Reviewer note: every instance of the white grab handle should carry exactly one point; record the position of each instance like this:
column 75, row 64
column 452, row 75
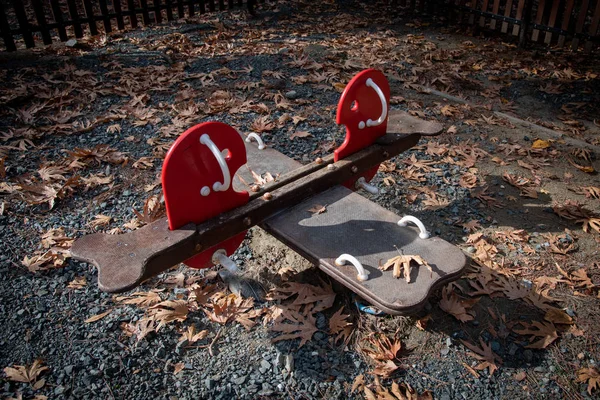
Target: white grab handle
column 384, row 108
column 217, row 186
column 220, row 257
column 261, row 144
column 361, row 183
column 409, row 218
column 362, row 274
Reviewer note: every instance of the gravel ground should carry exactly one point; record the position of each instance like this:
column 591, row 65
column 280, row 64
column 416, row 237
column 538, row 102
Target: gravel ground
column 156, row 82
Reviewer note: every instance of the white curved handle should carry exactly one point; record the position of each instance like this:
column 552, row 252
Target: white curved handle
column 409, row 218
column 217, row 186
column 384, row 109
column 220, row 257
column 261, row 144
column 361, row 183
column 362, row 274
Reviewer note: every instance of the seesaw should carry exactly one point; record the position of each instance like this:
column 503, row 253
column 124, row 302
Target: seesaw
column 208, row 212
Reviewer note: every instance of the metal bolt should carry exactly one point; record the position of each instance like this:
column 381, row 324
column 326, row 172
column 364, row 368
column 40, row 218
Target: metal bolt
column 198, row 247
column 354, row 169
column 267, row 196
column 331, row 167
column 255, row 188
column 247, row 221
column 319, row 160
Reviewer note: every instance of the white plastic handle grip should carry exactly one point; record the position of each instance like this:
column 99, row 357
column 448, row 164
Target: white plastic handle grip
column 384, row 108
column 362, row 274
column 261, row 144
column 409, row 218
column 217, row 186
column 220, row 257
column 361, row 183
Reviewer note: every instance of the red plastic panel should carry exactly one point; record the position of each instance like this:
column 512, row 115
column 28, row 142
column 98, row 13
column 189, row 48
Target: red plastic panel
column 359, row 104
column 191, row 166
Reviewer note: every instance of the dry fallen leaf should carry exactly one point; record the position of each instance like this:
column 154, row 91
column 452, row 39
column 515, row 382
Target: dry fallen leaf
column 490, row 359
column 540, row 144
column 545, row 330
column 300, row 134
column 401, row 264
column 97, row 317
column 317, row 209
column 178, row 368
column 591, row 376
column 21, row 373
column 458, row 308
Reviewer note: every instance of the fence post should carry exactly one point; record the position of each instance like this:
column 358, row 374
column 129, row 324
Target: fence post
column 527, row 6
column 5, row 29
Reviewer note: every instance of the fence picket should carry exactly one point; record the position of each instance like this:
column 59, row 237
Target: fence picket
column 594, row 26
column 76, row 21
column 520, row 7
column 565, row 22
column 552, row 21
column 119, row 12
column 9, row 42
column 580, row 21
column 507, row 13
column 132, row 13
column 24, row 26
column 145, row 12
column 89, row 14
column 493, row 22
column 538, row 19
column 105, row 17
column 38, row 9
column 484, row 8
column 157, row 11
column 169, row 5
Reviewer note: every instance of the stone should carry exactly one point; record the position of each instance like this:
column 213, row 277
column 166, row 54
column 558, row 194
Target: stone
column 265, row 364
column 292, row 94
column 71, row 43
column 528, row 355
column 239, row 381
column 445, row 351
column 209, row 383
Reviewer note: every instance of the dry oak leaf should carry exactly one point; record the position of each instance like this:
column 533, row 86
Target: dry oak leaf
column 178, row 368
column 77, row 283
column 545, row 330
column 405, row 392
column 192, row 336
column 302, row 327
column 300, row 134
column 541, row 144
column 490, row 359
column 457, row 307
column 168, row 311
column 321, row 296
column 97, row 317
column 401, row 264
column 338, row 325
column 318, row 209
column 21, row 373
column 141, row 299
column 558, row 316
column 591, row 376
column 100, row 220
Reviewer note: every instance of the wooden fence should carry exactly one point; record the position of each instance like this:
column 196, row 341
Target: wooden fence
column 28, row 20
column 558, row 23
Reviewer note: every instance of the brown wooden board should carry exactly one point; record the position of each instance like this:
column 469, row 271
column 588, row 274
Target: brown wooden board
column 538, row 19
column 484, row 8
column 169, row 5
column 89, row 13
column 191, row 10
column 519, row 15
column 132, row 13
column 24, row 27
column 75, row 20
column 9, row 41
column 38, row 9
column 580, row 22
column 507, row 13
column 145, row 12
column 157, row 11
column 495, row 9
column 594, row 26
column 180, row 10
column 552, row 20
column 105, row 16
column 119, row 12
column 565, row 22
column 356, row 226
